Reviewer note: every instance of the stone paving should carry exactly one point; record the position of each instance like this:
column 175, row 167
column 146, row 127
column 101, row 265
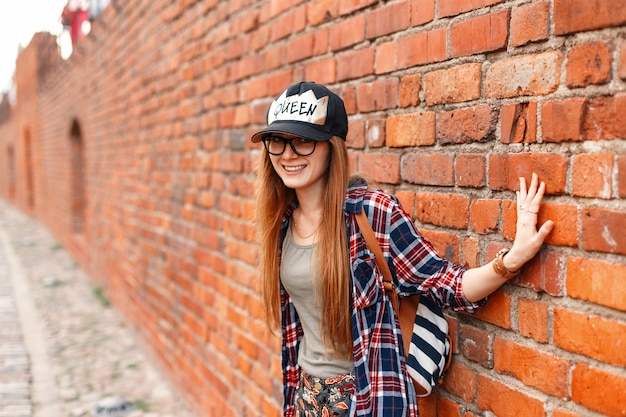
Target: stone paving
column 63, row 348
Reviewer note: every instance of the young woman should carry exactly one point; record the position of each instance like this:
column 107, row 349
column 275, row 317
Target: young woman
column 340, row 353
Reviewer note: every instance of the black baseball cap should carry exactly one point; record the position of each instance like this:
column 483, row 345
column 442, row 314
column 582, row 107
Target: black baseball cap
column 306, row 110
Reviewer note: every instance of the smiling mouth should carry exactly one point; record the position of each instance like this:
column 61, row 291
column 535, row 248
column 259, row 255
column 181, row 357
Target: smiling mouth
column 297, row 168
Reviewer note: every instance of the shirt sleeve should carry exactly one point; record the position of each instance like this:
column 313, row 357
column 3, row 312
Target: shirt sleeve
column 292, row 334
column 418, row 267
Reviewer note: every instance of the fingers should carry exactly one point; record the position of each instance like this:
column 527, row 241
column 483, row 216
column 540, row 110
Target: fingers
column 535, row 203
column 521, row 194
column 529, row 199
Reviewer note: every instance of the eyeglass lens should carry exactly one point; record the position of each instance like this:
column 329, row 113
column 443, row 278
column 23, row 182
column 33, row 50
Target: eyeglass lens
column 300, row 146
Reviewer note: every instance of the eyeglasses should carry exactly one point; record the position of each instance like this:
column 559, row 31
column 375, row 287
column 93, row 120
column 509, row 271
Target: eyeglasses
column 300, row 146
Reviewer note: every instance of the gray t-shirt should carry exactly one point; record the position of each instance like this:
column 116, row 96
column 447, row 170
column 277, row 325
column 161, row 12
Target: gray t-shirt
column 299, row 278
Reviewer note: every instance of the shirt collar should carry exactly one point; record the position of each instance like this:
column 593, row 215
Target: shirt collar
column 354, row 196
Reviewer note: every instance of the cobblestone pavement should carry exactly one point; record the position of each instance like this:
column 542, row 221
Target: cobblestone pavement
column 63, row 349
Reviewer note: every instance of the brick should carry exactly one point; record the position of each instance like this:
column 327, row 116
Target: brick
column 470, row 170
column 319, row 11
column 532, row 317
column 621, row 176
column 407, row 201
column 484, row 33
column 446, row 244
column 355, row 64
column 422, row 48
column 588, row 64
column 417, row 129
column 484, row 215
column 461, row 382
column 605, row 118
column 599, row 390
column 544, row 371
column 291, row 22
column 562, row 120
column 505, row 170
column 356, row 135
column 563, row 413
column 597, row 281
column 497, row 310
column 428, row 169
column 579, row 332
column 470, row 252
column 381, row 94
column 348, row 95
column 391, row 18
column 276, row 56
column 427, row 406
column 454, row 85
column 476, row 345
column 375, row 133
column 581, row 15
column 454, row 7
column 446, row 407
column 505, row 401
column 347, row 7
column 602, row 230
column 422, row 11
column 442, row 209
column 347, row 33
column 530, row 23
column 383, row 168
column 553, row 272
column 473, row 124
column 518, row 123
column 385, row 59
column 592, row 175
column 300, row 48
column 527, row 75
column 410, row 90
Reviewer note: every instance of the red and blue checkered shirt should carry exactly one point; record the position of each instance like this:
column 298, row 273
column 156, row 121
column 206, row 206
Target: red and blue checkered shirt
column 383, row 387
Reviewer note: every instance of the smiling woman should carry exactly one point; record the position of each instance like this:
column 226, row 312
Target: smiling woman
column 342, row 349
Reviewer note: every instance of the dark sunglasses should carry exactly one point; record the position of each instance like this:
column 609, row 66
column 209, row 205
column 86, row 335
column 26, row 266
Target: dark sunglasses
column 300, row 146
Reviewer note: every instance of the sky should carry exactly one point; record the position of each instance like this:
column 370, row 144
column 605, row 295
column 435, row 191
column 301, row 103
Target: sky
column 19, row 21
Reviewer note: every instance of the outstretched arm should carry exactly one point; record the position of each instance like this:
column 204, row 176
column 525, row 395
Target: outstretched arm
column 482, row 281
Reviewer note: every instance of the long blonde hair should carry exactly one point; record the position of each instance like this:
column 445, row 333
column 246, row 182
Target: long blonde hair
column 273, row 199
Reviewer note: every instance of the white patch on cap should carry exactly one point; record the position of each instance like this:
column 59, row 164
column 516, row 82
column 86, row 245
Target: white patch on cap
column 304, row 107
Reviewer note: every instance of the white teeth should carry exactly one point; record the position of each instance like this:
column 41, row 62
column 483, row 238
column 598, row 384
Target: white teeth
column 294, row 169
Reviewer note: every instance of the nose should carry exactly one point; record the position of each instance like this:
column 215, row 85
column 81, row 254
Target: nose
column 288, row 152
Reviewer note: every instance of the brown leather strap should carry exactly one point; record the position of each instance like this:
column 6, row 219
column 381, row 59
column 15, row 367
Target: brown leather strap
column 406, row 310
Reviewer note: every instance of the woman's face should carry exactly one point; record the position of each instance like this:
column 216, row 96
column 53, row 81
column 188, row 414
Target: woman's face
column 302, row 172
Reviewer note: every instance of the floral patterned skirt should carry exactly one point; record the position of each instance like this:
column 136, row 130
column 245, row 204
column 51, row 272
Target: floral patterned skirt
column 323, row 397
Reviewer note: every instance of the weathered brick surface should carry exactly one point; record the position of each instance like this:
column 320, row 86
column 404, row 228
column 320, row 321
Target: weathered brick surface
column 135, row 153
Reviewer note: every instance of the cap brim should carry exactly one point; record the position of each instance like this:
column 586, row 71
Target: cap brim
column 303, row 130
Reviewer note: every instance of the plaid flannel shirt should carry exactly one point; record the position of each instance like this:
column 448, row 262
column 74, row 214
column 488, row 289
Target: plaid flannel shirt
column 383, row 387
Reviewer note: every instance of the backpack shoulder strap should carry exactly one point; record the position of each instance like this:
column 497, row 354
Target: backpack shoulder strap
column 406, row 310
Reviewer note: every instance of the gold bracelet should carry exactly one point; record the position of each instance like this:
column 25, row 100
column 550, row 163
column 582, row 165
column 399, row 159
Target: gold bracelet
column 498, row 265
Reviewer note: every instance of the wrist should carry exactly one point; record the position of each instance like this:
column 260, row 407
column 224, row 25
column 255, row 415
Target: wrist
column 505, row 269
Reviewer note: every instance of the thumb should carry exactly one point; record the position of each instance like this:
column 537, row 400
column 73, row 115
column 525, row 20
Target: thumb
column 545, row 229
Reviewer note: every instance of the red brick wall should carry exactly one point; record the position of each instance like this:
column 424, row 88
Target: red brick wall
column 449, row 103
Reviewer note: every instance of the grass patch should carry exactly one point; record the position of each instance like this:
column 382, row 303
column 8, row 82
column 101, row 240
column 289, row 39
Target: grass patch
column 142, row 405
column 100, row 296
